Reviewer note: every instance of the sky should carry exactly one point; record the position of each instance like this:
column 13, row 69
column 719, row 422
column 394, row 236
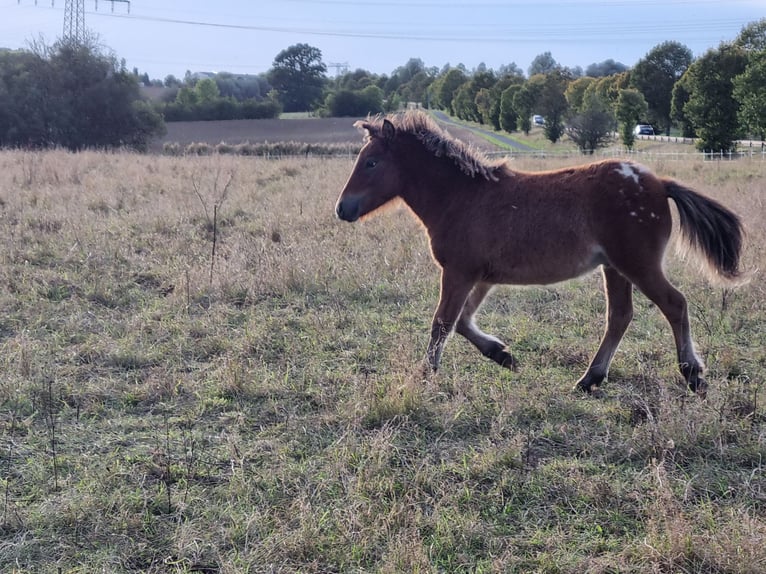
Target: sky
column 163, row 37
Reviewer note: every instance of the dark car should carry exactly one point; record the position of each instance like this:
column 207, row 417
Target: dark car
column 644, row 130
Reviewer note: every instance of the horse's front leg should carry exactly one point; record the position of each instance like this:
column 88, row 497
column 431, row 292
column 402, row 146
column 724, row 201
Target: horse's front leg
column 454, row 292
column 619, row 313
column 489, row 346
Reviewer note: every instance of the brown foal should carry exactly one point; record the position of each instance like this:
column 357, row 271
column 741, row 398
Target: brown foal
column 488, row 224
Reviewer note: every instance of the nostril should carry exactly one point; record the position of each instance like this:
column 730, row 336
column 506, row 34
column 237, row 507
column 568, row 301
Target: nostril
column 347, row 210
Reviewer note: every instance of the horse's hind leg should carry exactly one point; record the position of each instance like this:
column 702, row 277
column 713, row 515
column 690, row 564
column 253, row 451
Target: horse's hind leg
column 489, row 346
column 673, row 305
column 619, row 312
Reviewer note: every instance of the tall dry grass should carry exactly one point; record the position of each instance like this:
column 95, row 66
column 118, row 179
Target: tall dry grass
column 261, row 409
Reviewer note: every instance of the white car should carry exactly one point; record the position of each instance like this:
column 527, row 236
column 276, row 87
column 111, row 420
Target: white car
column 538, row 120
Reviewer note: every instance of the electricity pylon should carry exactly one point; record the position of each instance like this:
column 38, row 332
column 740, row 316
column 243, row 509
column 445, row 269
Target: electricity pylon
column 74, row 19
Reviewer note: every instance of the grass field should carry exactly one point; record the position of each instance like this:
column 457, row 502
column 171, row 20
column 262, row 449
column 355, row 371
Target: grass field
column 202, row 370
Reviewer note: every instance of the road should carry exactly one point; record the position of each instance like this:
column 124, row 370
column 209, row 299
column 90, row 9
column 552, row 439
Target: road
column 445, row 119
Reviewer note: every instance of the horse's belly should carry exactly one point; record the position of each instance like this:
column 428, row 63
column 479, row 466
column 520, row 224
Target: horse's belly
column 547, row 267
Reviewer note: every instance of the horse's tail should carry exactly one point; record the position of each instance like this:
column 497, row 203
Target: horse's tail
column 711, row 229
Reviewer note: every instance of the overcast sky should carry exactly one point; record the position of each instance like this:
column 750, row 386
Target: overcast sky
column 164, row 37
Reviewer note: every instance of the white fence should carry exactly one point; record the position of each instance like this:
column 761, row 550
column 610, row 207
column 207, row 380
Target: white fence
column 757, row 154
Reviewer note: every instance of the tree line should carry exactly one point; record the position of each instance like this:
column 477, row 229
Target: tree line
column 717, row 98
column 76, row 96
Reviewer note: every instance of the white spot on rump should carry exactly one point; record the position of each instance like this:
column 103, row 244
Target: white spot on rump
column 628, row 171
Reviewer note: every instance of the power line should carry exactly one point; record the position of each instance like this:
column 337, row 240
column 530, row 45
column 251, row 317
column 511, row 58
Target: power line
column 615, row 30
column 595, row 32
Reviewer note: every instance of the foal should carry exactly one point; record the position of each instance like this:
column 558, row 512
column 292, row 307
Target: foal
column 490, row 225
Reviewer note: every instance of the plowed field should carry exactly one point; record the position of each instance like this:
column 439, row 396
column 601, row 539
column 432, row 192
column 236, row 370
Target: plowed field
column 310, row 130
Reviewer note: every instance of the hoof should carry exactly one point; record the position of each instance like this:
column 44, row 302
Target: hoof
column 699, row 387
column 587, row 389
column 427, row 370
column 590, row 385
column 504, row 359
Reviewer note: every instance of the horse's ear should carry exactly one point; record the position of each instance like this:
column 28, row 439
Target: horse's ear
column 389, row 131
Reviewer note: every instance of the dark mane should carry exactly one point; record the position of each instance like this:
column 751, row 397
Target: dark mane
column 468, row 159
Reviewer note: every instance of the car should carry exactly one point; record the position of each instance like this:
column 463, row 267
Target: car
column 644, row 130
column 538, row 120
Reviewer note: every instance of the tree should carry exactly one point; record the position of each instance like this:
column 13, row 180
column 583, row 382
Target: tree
column 511, row 70
column 416, row 89
column 678, row 101
column 483, row 101
column 298, row 75
column 355, row 103
column 412, row 68
column 575, row 93
column 172, row 82
column 552, row 103
column 711, row 107
column 464, row 102
column 606, row 68
column 495, row 98
column 752, row 38
column 749, row 92
column 356, row 80
column 608, row 88
column 89, row 100
column 207, row 91
column 446, row 88
column 655, row 75
column 239, row 87
column 542, row 64
column 27, row 115
column 186, row 96
column 748, row 87
column 524, row 104
column 592, row 128
column 509, row 117
column 631, row 108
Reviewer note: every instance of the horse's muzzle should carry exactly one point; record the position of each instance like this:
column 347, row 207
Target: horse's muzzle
column 347, row 209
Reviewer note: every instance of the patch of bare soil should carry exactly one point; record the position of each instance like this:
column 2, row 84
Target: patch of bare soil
column 314, row 130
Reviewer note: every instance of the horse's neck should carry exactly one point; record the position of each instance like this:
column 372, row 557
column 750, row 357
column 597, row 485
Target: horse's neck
column 429, row 184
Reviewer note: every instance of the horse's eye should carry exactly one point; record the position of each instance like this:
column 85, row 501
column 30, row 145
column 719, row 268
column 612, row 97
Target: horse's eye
column 370, row 163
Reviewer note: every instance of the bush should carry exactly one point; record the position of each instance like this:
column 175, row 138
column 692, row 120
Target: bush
column 275, row 149
column 592, row 128
column 355, row 103
column 73, row 96
column 220, row 109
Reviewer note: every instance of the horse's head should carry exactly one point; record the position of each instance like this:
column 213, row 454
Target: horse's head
column 375, row 179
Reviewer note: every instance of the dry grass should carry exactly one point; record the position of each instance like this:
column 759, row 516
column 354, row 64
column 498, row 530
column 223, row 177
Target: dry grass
column 264, row 410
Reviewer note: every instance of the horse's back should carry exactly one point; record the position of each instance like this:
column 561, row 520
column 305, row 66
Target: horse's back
column 539, row 228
